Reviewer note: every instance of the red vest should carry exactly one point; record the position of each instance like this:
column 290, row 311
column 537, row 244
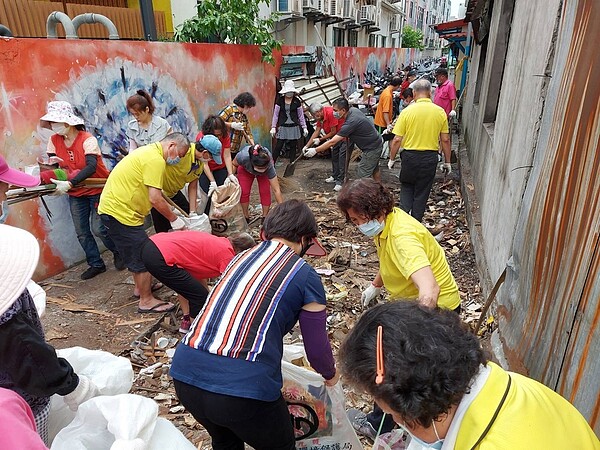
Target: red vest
column 74, row 160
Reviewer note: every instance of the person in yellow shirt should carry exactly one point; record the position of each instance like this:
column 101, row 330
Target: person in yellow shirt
column 437, row 384
column 134, row 187
column 419, row 130
column 187, row 171
column 412, row 265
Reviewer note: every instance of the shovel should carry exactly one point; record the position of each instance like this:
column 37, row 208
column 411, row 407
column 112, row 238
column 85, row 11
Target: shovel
column 291, row 167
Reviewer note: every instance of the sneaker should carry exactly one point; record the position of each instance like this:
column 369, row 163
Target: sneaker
column 359, row 422
column 185, row 325
column 330, row 180
column 118, row 261
column 337, row 187
column 91, row 272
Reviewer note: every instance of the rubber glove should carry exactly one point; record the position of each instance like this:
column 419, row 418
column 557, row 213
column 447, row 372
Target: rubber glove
column 316, row 142
column 391, row 163
column 390, row 127
column 238, row 126
column 232, row 179
column 369, row 294
column 62, row 187
column 305, row 131
column 452, row 114
column 85, row 390
column 447, row 168
column 273, row 132
column 192, row 215
column 178, row 224
column 211, row 188
column 309, row 152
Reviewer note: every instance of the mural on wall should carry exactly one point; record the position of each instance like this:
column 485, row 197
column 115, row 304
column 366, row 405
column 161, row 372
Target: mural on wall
column 187, row 81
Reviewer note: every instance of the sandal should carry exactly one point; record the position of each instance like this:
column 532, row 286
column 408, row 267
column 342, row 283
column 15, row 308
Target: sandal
column 155, row 310
column 155, row 287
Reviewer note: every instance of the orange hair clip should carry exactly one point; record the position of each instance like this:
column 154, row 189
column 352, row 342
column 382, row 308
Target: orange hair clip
column 380, row 369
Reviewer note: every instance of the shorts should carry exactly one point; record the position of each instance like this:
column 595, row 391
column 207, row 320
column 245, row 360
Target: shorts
column 368, row 164
column 128, row 240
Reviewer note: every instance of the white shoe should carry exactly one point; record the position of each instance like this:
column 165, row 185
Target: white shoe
column 337, row 187
column 330, row 180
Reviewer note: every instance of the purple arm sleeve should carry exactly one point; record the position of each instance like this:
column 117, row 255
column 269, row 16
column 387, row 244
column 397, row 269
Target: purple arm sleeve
column 301, row 118
column 316, row 342
column 275, row 117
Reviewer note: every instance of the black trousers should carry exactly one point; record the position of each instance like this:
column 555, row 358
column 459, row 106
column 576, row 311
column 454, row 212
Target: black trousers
column 220, row 177
column 174, row 277
column 161, row 223
column 286, row 148
column 233, row 421
column 416, row 179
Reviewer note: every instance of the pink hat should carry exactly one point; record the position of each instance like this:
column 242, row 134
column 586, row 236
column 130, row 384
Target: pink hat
column 16, row 177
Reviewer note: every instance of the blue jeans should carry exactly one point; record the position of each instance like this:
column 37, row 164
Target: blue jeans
column 84, row 211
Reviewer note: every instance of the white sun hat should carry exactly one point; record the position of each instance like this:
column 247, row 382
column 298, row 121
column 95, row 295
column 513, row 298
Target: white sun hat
column 289, row 86
column 19, row 255
column 60, row 112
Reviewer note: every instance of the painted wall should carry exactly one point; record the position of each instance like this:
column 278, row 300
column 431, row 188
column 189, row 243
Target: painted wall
column 190, row 81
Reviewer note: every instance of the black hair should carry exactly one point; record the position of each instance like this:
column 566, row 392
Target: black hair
column 291, row 220
column 408, row 92
column 341, row 103
column 396, row 81
column 430, row 358
column 213, row 123
column 441, row 71
column 259, row 156
column 245, row 100
column 140, row 101
column 367, row 197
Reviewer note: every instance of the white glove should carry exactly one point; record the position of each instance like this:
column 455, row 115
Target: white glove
column 273, row 132
column 452, row 114
column 316, row 141
column 390, row 127
column 305, row 131
column 447, row 168
column 62, row 187
column 178, row 224
column 391, row 163
column 386, row 131
column 192, row 215
column 309, row 152
column 211, row 188
column 232, row 179
column 369, row 294
column 238, row 126
column 85, row 390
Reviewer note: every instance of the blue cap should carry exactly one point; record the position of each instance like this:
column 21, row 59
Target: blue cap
column 213, row 145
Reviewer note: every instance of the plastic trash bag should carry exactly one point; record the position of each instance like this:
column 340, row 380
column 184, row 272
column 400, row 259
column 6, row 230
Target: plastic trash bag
column 199, row 223
column 112, row 374
column 120, row 422
column 226, row 215
column 317, row 411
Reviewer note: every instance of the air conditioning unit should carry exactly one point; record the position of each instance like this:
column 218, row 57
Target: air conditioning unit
column 289, row 6
column 368, row 13
column 310, row 4
column 396, row 23
column 348, row 9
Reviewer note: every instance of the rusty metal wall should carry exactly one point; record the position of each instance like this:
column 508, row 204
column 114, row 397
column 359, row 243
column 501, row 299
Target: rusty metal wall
column 27, row 18
column 549, row 311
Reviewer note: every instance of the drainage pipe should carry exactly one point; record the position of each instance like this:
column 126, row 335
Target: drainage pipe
column 54, row 19
column 5, row 31
column 96, row 18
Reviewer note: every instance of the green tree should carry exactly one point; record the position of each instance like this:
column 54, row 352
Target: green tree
column 232, row 22
column 412, row 38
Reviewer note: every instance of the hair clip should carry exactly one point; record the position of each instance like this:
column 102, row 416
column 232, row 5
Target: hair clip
column 380, row 369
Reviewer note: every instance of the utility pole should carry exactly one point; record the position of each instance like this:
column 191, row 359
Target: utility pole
column 148, row 20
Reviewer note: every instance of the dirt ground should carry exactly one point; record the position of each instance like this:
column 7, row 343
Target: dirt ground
column 102, row 313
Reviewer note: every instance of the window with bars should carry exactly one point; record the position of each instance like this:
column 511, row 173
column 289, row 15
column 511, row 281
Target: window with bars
column 352, row 38
column 338, row 37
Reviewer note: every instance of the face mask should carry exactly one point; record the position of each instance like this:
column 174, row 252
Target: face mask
column 336, row 114
column 4, row 214
column 437, row 445
column 173, row 161
column 371, row 228
column 59, row 128
column 305, row 248
column 289, row 94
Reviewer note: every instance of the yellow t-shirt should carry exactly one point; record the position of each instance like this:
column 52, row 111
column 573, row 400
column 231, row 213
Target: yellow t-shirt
column 185, row 171
column 125, row 195
column 421, row 125
column 405, row 246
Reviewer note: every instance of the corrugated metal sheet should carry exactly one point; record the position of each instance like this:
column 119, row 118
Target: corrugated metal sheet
column 113, row 3
column 550, row 316
column 28, row 19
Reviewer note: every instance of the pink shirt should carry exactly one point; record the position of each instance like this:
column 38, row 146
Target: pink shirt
column 444, row 94
column 201, row 254
column 17, row 425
